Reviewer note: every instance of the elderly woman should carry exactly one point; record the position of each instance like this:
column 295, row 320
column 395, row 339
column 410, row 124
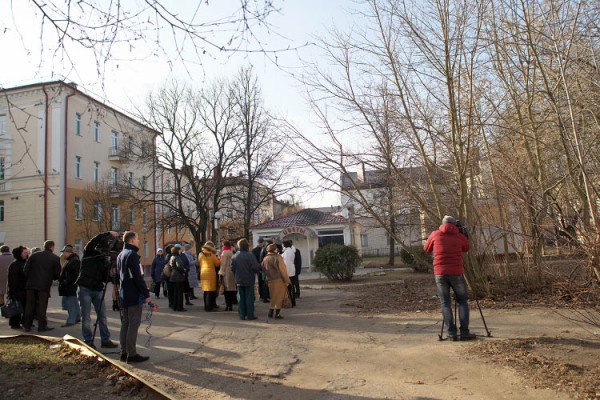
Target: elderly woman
column 226, row 275
column 209, row 263
column 277, row 278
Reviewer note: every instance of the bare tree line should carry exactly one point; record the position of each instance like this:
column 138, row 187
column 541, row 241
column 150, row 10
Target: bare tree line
column 486, row 110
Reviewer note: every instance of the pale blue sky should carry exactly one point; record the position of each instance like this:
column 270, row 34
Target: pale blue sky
column 126, row 82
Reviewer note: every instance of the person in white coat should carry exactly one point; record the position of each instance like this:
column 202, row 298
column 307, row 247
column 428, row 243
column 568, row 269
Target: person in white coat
column 289, row 253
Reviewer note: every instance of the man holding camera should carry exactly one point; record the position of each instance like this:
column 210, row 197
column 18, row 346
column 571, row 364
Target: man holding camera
column 448, row 243
column 92, row 280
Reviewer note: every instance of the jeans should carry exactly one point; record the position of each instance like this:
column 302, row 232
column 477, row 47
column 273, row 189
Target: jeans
column 457, row 283
column 73, row 310
column 130, row 322
column 87, row 297
column 246, row 301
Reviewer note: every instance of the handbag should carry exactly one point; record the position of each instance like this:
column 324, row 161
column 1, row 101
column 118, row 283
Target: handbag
column 287, row 302
column 167, row 270
column 11, row 309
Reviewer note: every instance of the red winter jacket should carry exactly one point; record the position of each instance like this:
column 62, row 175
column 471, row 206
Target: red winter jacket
column 447, row 244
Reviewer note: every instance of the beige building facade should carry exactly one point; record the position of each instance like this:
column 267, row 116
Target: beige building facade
column 66, row 171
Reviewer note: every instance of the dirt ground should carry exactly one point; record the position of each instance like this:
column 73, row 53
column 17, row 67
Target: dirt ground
column 368, row 341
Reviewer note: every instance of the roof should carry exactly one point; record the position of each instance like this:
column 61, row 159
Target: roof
column 306, row 217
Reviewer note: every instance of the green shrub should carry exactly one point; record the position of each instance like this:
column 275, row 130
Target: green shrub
column 337, row 262
column 416, row 257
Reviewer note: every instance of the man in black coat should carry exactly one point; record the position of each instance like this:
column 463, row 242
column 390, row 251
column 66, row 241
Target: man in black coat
column 40, row 269
column 67, row 286
column 93, row 277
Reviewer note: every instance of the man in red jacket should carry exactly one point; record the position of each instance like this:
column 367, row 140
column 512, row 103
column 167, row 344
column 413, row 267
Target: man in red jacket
column 448, row 244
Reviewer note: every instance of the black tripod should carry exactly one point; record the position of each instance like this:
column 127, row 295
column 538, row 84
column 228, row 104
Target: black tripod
column 489, row 334
column 102, row 302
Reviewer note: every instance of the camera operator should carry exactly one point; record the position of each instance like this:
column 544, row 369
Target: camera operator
column 448, row 244
column 93, row 278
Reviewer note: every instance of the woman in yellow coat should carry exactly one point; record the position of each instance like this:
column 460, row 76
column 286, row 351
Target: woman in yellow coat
column 209, row 264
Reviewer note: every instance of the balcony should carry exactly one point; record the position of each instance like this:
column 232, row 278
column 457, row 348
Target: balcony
column 118, row 154
column 119, row 191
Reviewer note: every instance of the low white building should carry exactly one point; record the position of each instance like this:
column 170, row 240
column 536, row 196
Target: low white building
column 309, row 230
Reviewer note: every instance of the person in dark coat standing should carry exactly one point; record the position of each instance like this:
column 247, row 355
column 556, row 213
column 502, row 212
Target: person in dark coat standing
column 133, row 294
column 16, row 282
column 67, row 286
column 178, row 277
column 263, row 289
column 40, row 269
column 94, row 275
column 6, row 259
column 156, row 271
column 448, row 244
column 298, row 267
column 245, row 267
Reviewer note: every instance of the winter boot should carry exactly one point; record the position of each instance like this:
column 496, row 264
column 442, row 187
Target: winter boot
column 270, row 313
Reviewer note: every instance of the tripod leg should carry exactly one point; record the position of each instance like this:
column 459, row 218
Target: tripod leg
column 441, row 335
column 489, row 334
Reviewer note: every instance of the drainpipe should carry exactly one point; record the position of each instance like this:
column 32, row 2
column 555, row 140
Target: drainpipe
column 45, row 164
column 66, row 161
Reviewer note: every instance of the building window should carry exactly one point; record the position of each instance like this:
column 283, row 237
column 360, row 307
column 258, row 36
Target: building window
column 131, row 215
column 332, row 236
column 96, row 171
column 364, row 240
column 114, row 176
column 77, row 167
column 144, row 182
column 130, row 179
column 78, row 246
column 145, row 216
column 130, row 144
column 97, row 211
column 96, row 131
column 78, row 209
column 78, row 124
column 145, row 248
column 168, row 185
column 115, row 217
column 2, row 168
column 114, row 141
column 1, row 210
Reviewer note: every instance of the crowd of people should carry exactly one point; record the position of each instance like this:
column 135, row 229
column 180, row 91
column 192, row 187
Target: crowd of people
column 233, row 271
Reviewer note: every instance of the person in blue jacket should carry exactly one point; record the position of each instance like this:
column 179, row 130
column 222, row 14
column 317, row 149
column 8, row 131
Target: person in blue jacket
column 133, row 293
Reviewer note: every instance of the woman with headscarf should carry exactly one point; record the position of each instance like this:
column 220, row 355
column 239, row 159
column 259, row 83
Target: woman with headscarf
column 16, row 282
column 226, row 275
column 209, row 263
column 277, row 278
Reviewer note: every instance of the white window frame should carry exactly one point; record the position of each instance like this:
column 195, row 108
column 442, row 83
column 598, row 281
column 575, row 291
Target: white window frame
column 78, row 167
column 114, row 176
column 145, row 216
column 115, row 217
column 2, row 168
column 131, row 215
column 2, row 210
column 97, row 216
column 78, row 124
column 145, row 248
column 130, row 179
column 78, row 209
column 96, row 172
column 96, row 129
column 114, row 141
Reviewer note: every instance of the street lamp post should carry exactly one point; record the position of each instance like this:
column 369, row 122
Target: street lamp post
column 218, row 216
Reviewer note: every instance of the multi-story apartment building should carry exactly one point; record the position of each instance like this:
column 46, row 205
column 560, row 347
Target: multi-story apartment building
column 65, row 170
